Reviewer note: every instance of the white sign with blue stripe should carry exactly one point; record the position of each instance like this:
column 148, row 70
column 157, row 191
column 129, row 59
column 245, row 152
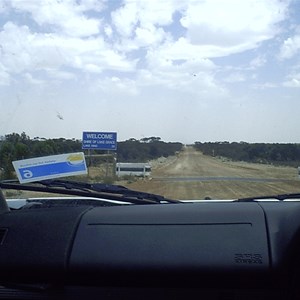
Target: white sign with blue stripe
column 49, row 167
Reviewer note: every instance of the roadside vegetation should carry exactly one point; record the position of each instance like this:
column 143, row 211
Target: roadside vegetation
column 20, row 146
column 146, row 149
column 277, row 154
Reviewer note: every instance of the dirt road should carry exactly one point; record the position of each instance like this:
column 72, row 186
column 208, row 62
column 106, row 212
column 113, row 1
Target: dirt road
column 192, row 175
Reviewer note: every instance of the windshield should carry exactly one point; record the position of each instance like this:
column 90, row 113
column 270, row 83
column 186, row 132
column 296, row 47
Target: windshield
column 186, row 99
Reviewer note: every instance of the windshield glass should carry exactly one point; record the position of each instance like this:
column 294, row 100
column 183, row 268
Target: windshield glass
column 185, row 99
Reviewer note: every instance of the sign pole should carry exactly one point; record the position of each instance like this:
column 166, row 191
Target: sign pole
column 106, row 171
column 89, row 160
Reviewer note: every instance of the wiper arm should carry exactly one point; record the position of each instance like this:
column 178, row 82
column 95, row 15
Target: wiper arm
column 97, row 190
column 107, row 188
column 280, row 197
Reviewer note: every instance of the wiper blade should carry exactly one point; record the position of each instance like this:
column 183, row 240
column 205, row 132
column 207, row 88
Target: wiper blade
column 280, row 197
column 98, row 190
column 106, row 188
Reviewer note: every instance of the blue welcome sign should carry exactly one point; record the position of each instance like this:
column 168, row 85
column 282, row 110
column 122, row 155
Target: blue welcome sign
column 99, row 140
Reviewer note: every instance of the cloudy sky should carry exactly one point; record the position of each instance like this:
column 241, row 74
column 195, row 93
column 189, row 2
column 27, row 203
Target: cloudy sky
column 198, row 70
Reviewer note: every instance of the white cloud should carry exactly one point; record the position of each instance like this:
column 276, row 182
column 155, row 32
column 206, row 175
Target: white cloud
column 290, row 47
column 66, row 16
column 258, row 62
column 235, row 77
column 142, row 23
column 60, row 75
column 183, row 49
column 116, row 86
column 3, row 6
column 185, row 65
column 292, row 81
column 178, row 74
column 233, row 22
column 194, row 78
column 93, row 68
column 265, row 85
column 23, row 50
column 95, row 5
column 159, row 12
column 4, row 76
column 15, row 48
column 149, row 36
column 31, row 80
column 125, row 18
column 143, row 14
column 108, row 30
column 213, row 28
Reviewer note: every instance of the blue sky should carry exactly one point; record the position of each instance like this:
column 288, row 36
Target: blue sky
column 209, row 70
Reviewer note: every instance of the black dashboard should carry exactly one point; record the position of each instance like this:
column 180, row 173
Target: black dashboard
column 204, row 250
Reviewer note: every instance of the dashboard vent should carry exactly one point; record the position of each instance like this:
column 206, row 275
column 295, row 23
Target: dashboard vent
column 3, row 232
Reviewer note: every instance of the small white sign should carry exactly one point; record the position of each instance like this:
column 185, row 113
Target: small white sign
column 49, row 167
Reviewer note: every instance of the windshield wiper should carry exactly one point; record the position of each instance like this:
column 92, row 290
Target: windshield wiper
column 97, row 190
column 280, row 197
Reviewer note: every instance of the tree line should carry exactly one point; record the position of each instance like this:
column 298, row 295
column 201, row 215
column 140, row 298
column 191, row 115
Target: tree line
column 20, row 146
column 146, row 149
column 283, row 154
